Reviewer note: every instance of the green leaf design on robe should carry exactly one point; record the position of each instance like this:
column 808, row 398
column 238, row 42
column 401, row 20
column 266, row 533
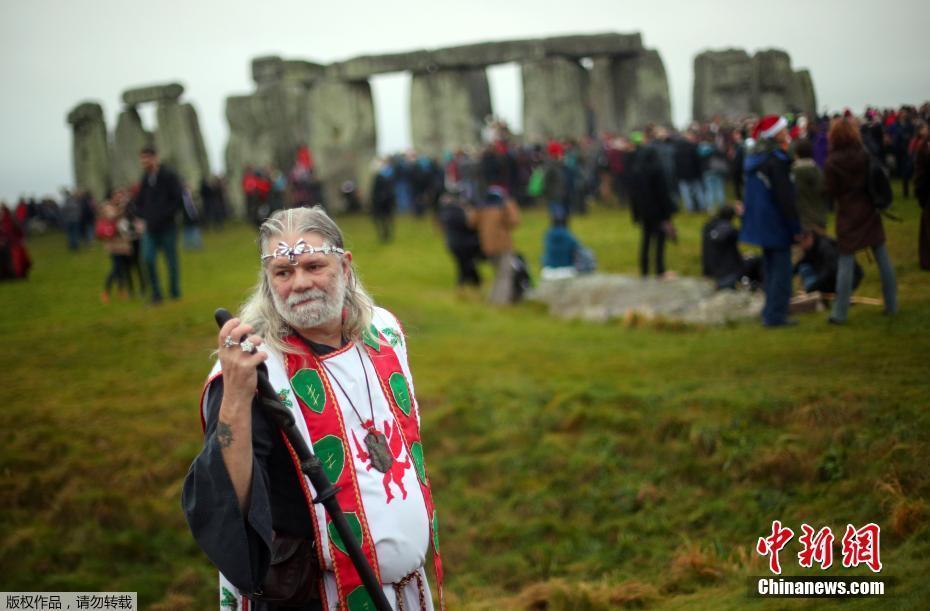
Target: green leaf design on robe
column 331, row 453
column 401, row 392
column 416, row 452
column 354, row 525
column 309, row 387
column 360, row 600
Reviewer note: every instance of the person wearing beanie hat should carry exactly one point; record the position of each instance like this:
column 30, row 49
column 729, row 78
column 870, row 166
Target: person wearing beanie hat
column 771, row 218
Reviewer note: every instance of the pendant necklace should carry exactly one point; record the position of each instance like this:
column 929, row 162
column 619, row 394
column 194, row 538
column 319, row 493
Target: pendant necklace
column 375, row 441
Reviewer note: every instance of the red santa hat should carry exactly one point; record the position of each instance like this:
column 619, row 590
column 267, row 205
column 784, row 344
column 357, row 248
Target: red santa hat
column 768, row 126
column 555, row 149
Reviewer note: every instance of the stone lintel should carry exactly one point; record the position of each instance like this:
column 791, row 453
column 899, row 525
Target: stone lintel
column 480, row 55
column 152, row 93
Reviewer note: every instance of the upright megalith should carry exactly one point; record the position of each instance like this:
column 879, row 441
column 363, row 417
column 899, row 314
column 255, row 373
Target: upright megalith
column 772, row 82
column 447, row 109
column 643, row 91
column 180, row 143
column 555, row 99
column 806, row 98
column 723, row 85
column 250, row 143
column 90, row 155
column 128, row 139
column 342, row 135
column 733, row 84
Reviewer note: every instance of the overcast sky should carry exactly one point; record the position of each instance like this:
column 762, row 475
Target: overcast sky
column 57, row 53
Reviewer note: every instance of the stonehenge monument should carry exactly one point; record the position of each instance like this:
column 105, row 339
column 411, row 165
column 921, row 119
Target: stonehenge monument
column 102, row 163
column 330, row 108
column 573, row 86
column 732, row 84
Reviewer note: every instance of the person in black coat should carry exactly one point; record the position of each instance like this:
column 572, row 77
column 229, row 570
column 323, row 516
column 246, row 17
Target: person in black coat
column 383, row 202
column 652, row 204
column 720, row 255
column 160, row 199
column 817, row 268
column 458, row 225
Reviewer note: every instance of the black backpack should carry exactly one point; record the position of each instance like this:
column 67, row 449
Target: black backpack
column 878, row 185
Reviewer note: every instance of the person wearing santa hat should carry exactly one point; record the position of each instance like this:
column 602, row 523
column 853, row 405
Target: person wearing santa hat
column 771, row 217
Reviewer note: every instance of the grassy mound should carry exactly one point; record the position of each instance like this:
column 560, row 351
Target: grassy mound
column 575, row 466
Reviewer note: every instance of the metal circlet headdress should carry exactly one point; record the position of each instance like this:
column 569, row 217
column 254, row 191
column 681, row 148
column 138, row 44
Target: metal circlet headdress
column 300, row 247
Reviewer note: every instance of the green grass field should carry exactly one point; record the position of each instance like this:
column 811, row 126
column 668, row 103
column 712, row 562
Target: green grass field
column 575, row 465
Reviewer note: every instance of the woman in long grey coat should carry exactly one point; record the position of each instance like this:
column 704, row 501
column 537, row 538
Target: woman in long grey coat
column 858, row 223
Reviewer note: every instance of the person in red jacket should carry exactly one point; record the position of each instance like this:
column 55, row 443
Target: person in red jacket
column 14, row 258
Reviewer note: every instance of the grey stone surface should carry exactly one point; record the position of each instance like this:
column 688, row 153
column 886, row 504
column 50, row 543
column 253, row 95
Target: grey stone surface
column 128, row 139
column 283, row 111
column 481, row 55
column 250, row 142
column 342, row 135
column 271, row 70
column 89, row 151
column 731, row 84
column 447, row 109
column 774, row 78
column 152, row 93
column 590, row 45
column 643, row 89
column 555, row 92
column 605, row 95
column 806, row 99
column 627, row 92
column 723, row 85
column 604, row 297
column 180, row 144
column 360, row 68
column 267, row 69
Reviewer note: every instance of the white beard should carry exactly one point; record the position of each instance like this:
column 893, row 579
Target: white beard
column 324, row 307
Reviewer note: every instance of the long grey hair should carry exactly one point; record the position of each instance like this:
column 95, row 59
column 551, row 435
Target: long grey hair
column 259, row 310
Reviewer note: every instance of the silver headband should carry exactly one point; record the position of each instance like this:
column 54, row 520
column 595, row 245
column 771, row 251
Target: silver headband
column 300, row 247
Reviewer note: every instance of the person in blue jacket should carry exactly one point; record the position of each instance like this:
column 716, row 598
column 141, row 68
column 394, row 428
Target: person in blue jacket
column 771, row 217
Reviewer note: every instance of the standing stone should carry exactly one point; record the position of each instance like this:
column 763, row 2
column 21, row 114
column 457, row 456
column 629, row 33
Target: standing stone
column 806, row 98
column 773, row 82
column 128, row 139
column 555, row 98
column 250, row 143
column 90, row 155
column 731, row 84
column 283, row 103
column 447, row 109
column 605, row 95
column 342, row 136
column 723, row 85
column 642, row 86
column 180, row 144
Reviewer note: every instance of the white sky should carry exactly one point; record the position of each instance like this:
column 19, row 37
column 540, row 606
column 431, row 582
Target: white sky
column 57, row 53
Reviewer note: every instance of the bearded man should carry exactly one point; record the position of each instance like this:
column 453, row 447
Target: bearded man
column 339, row 363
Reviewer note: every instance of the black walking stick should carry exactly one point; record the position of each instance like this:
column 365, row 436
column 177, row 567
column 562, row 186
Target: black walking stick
column 311, row 466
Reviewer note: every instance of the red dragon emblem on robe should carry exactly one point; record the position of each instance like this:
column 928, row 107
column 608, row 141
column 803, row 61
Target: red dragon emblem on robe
column 395, row 442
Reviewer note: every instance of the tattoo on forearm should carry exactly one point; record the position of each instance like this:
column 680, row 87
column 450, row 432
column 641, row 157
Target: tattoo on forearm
column 224, row 434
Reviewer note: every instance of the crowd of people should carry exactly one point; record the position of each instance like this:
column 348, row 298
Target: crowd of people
column 475, row 194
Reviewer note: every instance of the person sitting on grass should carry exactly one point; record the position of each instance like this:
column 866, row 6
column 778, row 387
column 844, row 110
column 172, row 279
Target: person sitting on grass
column 563, row 255
column 817, row 268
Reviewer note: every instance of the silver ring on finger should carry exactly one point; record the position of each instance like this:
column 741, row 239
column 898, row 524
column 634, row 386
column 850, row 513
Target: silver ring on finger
column 229, row 342
column 247, row 346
